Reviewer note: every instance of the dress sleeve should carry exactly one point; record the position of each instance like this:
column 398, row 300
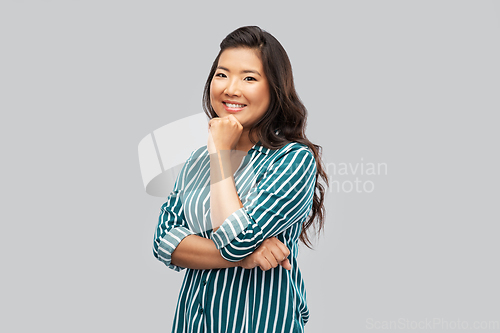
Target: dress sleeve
column 284, row 196
column 172, row 227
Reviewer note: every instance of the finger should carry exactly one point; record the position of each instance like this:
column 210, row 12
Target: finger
column 279, row 249
column 264, row 265
column 271, row 258
column 278, row 254
column 233, row 118
column 282, row 247
column 264, row 258
column 214, row 120
column 286, row 264
column 237, row 122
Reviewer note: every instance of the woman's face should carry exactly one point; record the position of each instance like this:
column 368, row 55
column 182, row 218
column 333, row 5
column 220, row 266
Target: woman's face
column 239, row 86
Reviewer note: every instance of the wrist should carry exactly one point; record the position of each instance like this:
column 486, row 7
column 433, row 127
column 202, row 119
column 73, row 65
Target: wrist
column 220, row 166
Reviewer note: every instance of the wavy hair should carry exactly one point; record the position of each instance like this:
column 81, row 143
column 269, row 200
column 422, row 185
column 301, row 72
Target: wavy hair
column 286, row 112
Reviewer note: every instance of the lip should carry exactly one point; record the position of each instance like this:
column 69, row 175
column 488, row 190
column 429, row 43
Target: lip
column 232, row 102
column 232, row 110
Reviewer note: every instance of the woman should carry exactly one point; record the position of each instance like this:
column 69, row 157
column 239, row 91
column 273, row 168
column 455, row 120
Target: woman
column 240, row 204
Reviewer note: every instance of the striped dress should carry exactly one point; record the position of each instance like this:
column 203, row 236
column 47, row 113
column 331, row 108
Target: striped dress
column 276, row 188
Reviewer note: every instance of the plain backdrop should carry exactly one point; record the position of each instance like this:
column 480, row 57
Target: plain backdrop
column 412, row 86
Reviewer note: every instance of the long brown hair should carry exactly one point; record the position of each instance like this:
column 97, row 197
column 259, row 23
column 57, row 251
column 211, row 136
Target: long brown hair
column 286, row 112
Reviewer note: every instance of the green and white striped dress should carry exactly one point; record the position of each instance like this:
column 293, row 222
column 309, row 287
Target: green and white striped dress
column 276, row 188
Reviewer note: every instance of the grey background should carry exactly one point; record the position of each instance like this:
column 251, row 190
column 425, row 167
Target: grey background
column 413, row 84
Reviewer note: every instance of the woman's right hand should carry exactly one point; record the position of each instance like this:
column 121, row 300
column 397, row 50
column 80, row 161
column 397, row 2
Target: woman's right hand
column 269, row 254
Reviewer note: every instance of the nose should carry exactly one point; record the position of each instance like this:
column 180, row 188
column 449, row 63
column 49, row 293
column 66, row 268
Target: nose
column 232, row 88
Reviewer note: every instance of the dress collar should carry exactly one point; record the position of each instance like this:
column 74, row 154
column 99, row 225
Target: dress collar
column 260, row 148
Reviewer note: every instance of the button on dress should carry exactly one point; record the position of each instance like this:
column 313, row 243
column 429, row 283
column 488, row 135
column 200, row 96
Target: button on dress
column 276, row 188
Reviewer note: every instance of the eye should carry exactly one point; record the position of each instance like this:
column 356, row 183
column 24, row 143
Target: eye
column 220, row 75
column 250, row 78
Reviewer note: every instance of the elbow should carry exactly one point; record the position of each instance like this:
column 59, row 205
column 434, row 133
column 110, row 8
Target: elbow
column 234, row 253
column 160, row 252
column 165, row 257
column 155, row 249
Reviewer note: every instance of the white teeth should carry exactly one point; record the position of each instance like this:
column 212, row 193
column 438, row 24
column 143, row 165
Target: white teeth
column 235, row 105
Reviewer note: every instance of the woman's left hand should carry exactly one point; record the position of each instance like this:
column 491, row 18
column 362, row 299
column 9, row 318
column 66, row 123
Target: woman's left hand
column 271, row 253
column 223, row 133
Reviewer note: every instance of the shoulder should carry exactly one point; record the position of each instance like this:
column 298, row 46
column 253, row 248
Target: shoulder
column 293, row 150
column 196, row 159
column 293, row 156
column 200, row 153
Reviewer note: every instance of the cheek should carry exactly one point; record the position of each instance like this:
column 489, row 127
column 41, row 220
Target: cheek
column 215, row 88
column 213, row 92
column 264, row 96
column 212, row 89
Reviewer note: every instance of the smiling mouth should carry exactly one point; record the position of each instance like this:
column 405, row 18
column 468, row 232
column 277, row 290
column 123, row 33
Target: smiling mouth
column 234, row 106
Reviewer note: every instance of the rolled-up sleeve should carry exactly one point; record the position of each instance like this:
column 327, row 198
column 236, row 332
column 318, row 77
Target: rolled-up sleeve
column 283, row 197
column 172, row 227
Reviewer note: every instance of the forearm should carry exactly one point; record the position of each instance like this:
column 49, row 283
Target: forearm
column 199, row 253
column 224, row 199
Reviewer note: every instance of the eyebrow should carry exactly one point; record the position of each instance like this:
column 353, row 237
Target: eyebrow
column 243, row 71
